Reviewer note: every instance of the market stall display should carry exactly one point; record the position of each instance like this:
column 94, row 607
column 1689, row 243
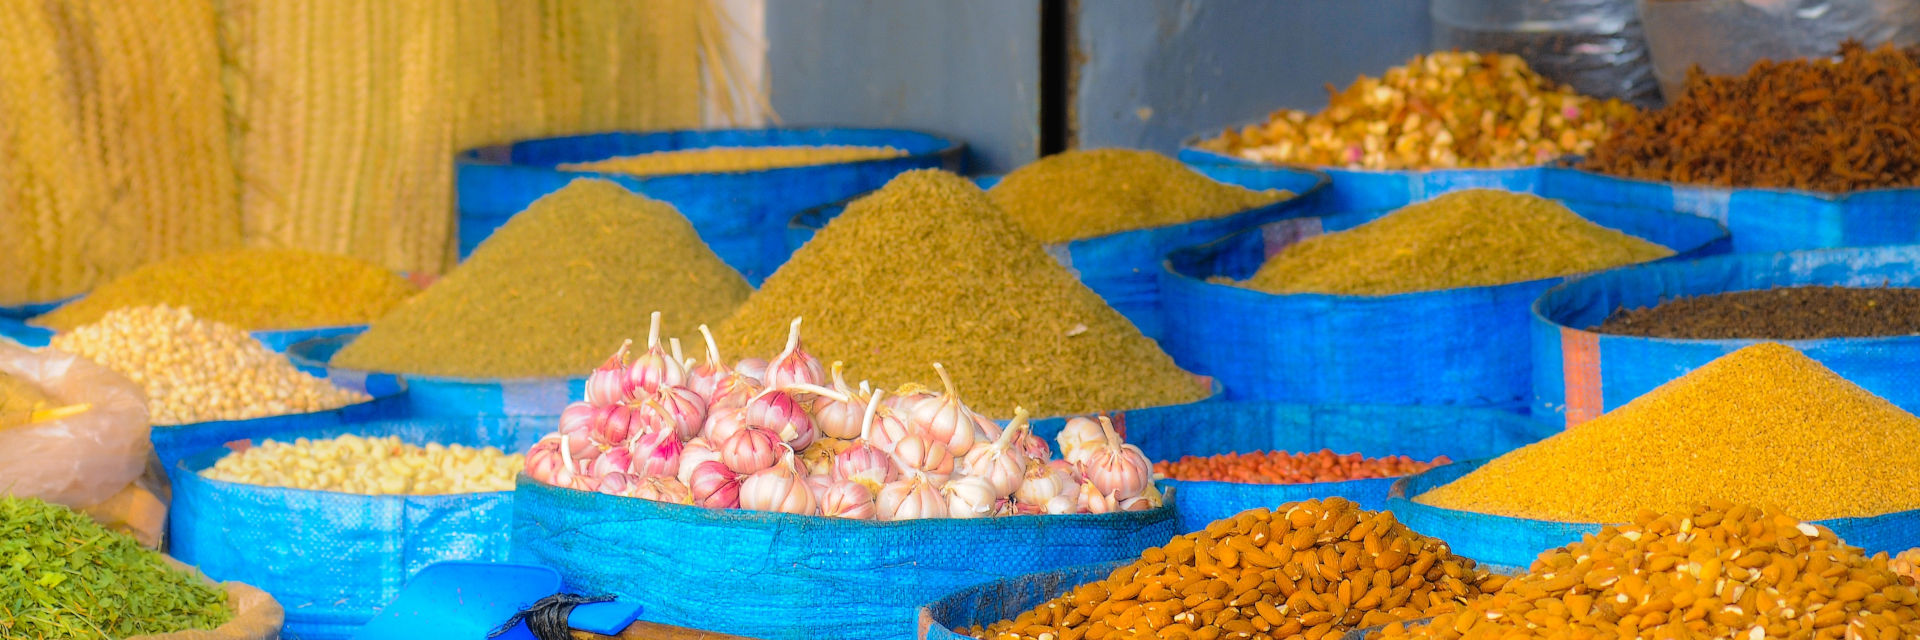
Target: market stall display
column 929, row 270
column 250, row 289
column 333, row 557
column 1393, row 326
column 742, row 215
column 1440, row 111
column 1076, row 195
column 1763, row 425
column 1311, row 569
column 544, row 296
column 731, row 159
column 1604, row 340
column 1716, row 570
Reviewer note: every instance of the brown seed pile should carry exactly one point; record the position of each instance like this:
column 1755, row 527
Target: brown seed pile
column 732, row 159
column 1312, row 570
column 1084, row 194
column 928, row 270
column 1762, row 425
column 1471, row 238
column 195, row 370
column 550, row 293
column 1715, row 571
column 1822, row 125
column 1786, row 313
column 252, row 289
column 1442, row 110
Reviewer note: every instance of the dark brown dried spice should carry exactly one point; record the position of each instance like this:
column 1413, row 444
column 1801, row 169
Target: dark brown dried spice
column 1821, row 125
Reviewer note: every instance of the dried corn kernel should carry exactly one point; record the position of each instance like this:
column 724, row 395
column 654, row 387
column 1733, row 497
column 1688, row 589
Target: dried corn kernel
column 370, row 466
column 195, row 370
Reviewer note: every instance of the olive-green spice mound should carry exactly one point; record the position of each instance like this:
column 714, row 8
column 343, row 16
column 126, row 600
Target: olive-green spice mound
column 928, row 270
column 1085, row 194
column 64, row 576
column 1762, row 425
column 1472, row 238
column 251, row 289
column 555, row 290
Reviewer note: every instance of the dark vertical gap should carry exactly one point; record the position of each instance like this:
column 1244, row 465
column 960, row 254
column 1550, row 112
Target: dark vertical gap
column 1055, row 40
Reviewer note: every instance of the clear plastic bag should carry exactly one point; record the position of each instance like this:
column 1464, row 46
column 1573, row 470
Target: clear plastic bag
column 1725, row 37
column 79, row 460
column 1594, row 46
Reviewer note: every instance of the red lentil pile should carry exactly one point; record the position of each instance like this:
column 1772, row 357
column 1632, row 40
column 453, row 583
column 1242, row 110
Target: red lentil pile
column 1280, row 467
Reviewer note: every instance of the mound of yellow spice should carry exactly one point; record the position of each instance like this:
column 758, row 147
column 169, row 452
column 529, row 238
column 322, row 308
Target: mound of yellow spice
column 1762, row 425
column 555, row 290
column 1719, row 570
column 1084, row 194
column 732, row 159
column 252, row 289
column 927, row 270
column 1471, row 238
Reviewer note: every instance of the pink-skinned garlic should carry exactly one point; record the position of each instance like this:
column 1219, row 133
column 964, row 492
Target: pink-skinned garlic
column 714, row 486
column 779, row 488
column 794, row 365
column 1000, row 463
column 655, row 368
column 750, row 449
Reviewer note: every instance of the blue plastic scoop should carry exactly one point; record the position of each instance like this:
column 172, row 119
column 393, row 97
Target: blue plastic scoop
column 467, row 600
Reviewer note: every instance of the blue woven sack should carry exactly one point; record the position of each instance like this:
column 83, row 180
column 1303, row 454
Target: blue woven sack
column 31, row 309
column 1368, row 190
column 433, row 396
column 1579, row 374
column 742, row 215
column 1003, row 599
column 333, row 559
column 779, row 576
column 171, row 443
column 1765, row 220
column 1465, row 346
column 1423, row 433
column 1511, row 544
column 1124, row 267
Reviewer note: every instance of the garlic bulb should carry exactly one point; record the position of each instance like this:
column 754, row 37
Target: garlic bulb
column 677, row 407
column 750, row 449
column 944, row 419
column 839, row 416
column 692, row 453
column 1000, row 463
column 912, row 498
column 654, row 369
column 1092, row 501
column 656, row 454
column 666, row 490
column 608, row 384
column 778, row 488
column 1116, row 468
column 924, row 455
column 1078, row 437
column 848, row 499
column 970, row 497
column 794, row 365
column 617, row 483
column 777, row 410
column 715, row 486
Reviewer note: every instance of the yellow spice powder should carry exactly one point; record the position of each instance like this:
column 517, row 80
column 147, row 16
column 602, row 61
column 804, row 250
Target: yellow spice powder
column 731, row 159
column 1762, row 425
column 252, row 289
column 1085, row 194
column 1472, row 238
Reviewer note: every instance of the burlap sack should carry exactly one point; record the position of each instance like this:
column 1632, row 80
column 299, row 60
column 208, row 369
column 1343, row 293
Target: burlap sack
column 256, row 616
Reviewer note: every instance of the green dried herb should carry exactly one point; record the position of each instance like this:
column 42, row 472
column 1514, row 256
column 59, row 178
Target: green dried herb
column 64, row 576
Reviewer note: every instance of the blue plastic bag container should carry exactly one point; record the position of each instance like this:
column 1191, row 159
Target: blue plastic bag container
column 31, row 309
column 777, row 576
column 172, row 443
column 1124, row 267
column 1579, row 374
column 432, row 396
column 1423, row 433
column 1511, row 544
column 741, row 215
column 1465, row 347
column 1765, row 220
column 1002, row 599
column 333, row 559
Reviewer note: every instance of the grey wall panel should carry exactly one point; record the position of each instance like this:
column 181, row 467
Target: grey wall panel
column 1153, row 72
column 966, row 69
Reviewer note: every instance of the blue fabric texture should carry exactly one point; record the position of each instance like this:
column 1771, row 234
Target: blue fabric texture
column 742, row 215
column 1620, row 368
column 431, row 396
column 1002, row 599
column 389, row 402
column 1124, row 267
column 1507, row 543
column 1464, row 347
column 778, row 576
column 24, row 311
column 333, row 559
column 1423, row 433
column 1765, row 220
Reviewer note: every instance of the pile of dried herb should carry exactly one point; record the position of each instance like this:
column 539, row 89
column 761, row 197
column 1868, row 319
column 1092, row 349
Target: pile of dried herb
column 252, row 289
column 1821, row 125
column 1472, row 238
column 928, row 270
column 553, row 290
column 64, row 576
column 1084, row 194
